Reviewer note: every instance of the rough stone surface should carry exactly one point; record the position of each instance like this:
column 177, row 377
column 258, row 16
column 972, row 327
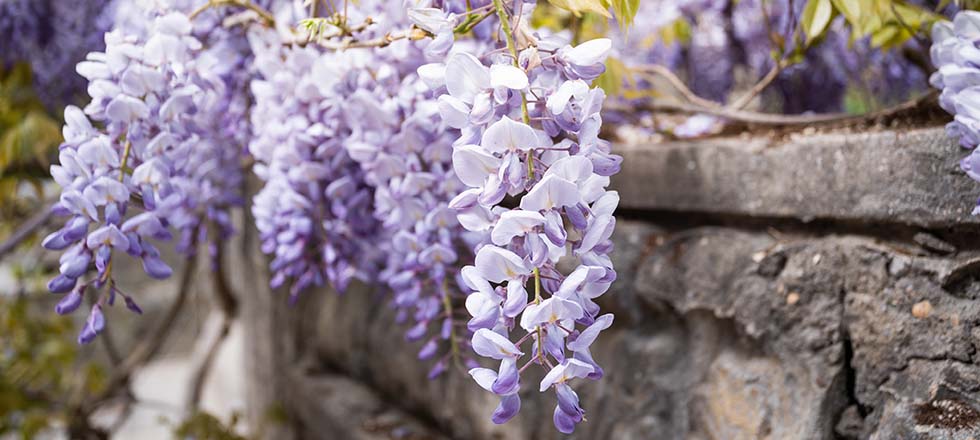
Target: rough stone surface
column 347, row 409
column 911, row 177
column 850, row 339
column 708, row 346
column 731, row 331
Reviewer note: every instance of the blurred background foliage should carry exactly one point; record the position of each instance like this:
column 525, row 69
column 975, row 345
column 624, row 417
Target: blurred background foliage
column 38, row 347
column 202, row 425
column 862, row 55
column 29, row 138
column 41, row 374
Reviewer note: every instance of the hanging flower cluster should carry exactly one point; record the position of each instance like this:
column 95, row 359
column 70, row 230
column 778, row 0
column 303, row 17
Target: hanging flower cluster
column 537, row 195
column 357, row 164
column 956, row 56
column 158, row 161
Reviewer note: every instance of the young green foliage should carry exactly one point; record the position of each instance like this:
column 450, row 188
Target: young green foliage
column 624, row 10
column 889, row 23
column 28, row 135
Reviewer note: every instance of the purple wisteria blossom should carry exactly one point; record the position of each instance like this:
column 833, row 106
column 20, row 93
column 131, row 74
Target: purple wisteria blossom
column 561, row 209
column 157, row 162
column 368, row 130
column 313, row 214
column 956, row 56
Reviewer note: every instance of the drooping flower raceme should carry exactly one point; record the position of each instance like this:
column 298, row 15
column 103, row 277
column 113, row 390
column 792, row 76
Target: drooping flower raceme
column 956, row 56
column 560, row 210
column 313, row 214
column 158, row 161
column 366, row 122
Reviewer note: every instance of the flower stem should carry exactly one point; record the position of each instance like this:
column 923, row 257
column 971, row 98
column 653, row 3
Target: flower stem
column 537, row 300
column 473, row 18
column 512, row 47
column 127, row 149
column 125, row 158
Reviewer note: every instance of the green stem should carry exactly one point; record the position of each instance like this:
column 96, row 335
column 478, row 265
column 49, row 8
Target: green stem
column 122, row 175
column 530, row 164
column 125, row 158
column 512, row 47
column 473, row 19
column 264, row 14
column 498, row 5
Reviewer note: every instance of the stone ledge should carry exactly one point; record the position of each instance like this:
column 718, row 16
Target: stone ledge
column 909, row 178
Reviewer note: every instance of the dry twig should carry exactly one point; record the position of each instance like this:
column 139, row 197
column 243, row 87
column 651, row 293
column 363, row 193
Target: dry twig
column 228, row 306
column 37, row 221
column 775, row 119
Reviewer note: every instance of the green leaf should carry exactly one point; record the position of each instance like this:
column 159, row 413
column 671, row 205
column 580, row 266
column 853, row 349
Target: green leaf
column 850, row 9
column 625, row 11
column 678, row 31
column 888, row 36
column 30, row 140
column 963, row 4
column 889, row 23
column 578, row 7
column 611, row 81
column 816, row 16
column 550, row 17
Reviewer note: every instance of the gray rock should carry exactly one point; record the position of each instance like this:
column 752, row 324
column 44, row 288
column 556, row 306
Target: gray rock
column 909, row 177
column 339, row 407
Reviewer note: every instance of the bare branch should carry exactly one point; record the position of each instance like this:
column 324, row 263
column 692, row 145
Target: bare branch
column 204, row 368
column 148, row 348
column 775, row 119
column 222, row 289
column 265, row 15
column 127, row 409
column 108, row 341
column 412, row 34
column 228, row 305
column 329, row 40
column 747, row 98
column 676, row 83
column 37, row 221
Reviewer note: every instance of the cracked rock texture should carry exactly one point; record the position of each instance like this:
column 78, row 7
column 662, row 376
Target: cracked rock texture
column 748, row 322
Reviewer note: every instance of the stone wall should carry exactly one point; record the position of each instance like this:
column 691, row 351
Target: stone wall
column 811, row 287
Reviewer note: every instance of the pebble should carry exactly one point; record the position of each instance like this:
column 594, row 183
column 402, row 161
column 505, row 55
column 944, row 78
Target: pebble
column 922, row 309
column 792, row 298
